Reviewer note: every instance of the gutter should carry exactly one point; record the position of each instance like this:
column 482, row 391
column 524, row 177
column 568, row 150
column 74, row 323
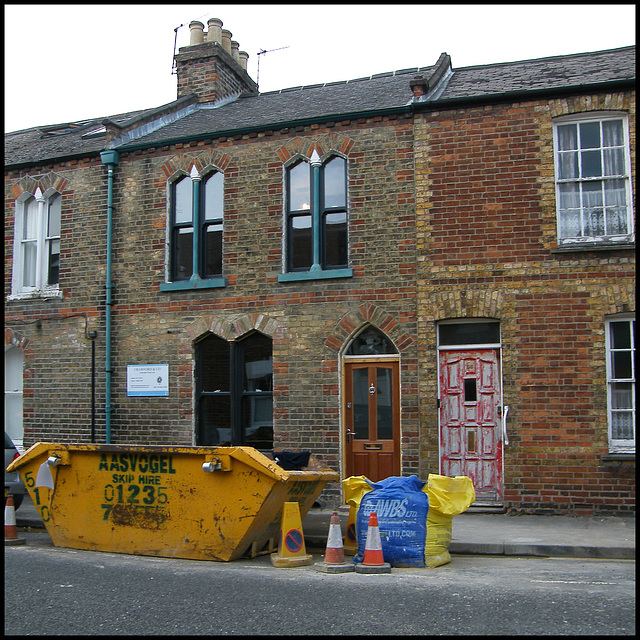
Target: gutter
column 111, row 159
column 523, row 94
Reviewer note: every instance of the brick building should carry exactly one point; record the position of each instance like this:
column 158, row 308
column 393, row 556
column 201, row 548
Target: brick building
column 428, row 270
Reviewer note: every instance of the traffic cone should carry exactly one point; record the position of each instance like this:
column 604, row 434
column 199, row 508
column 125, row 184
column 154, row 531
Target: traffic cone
column 350, row 537
column 10, row 529
column 373, row 560
column 334, row 554
column 291, row 549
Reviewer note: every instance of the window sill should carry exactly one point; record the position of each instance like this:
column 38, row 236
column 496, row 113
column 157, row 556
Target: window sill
column 300, row 276
column 593, row 246
column 190, row 285
column 618, row 457
column 35, row 295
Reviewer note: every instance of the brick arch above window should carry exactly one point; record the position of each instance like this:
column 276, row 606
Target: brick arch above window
column 233, row 327
column 325, row 145
column 367, row 314
column 46, row 183
column 204, row 162
column 615, row 298
column 580, row 104
column 467, row 304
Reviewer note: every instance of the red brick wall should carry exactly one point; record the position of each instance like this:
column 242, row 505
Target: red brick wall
column 486, row 234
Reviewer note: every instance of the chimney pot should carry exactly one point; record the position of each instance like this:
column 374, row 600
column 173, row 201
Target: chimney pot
column 235, row 46
column 196, row 33
column 215, row 30
column 244, row 56
column 226, row 40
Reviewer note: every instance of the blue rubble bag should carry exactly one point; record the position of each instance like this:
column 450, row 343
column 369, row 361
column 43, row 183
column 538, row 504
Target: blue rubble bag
column 401, row 506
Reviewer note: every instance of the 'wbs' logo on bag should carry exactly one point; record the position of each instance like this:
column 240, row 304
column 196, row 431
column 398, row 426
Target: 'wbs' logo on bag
column 393, row 508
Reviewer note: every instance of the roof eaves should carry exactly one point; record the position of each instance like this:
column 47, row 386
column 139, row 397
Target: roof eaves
column 524, row 94
column 399, row 110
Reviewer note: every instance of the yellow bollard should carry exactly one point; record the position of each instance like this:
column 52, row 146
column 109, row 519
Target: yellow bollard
column 291, row 548
column 350, row 538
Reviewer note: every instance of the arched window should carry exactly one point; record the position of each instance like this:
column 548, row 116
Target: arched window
column 371, row 342
column 196, row 212
column 234, row 386
column 37, row 243
column 316, row 221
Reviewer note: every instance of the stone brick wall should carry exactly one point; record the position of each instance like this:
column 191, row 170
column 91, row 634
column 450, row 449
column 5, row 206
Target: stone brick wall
column 306, row 320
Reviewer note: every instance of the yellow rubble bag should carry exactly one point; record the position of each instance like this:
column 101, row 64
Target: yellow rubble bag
column 448, row 497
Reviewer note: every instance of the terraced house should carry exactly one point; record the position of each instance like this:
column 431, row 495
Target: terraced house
column 424, row 271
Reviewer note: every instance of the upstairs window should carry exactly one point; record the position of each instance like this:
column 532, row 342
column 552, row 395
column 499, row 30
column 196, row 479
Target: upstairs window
column 196, row 216
column 37, row 244
column 621, row 383
column 316, row 221
column 593, row 187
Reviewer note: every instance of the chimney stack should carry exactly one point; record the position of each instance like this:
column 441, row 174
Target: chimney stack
column 212, row 66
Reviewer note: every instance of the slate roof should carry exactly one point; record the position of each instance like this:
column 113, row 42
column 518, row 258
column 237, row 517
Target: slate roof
column 375, row 94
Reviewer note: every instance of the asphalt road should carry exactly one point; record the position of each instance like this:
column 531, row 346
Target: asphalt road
column 55, row 591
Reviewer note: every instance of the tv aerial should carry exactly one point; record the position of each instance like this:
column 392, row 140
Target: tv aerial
column 261, row 53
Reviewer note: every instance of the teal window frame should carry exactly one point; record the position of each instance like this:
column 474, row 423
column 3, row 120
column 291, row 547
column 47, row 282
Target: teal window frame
column 318, row 210
column 200, row 220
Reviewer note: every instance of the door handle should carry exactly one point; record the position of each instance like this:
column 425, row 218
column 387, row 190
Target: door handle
column 504, row 426
column 349, row 434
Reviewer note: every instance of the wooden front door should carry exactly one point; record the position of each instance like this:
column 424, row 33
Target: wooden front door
column 470, row 420
column 372, row 419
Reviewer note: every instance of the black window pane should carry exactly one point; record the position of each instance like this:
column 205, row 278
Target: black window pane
column 258, row 420
column 622, row 365
column 258, row 363
column 215, row 421
column 335, row 244
column 590, row 135
column 470, row 333
column 370, row 342
column 183, row 254
column 621, row 335
column 53, row 274
column 214, row 364
column 300, row 242
column 213, row 250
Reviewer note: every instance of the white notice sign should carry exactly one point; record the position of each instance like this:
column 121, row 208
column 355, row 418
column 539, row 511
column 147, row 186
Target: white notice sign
column 148, row 380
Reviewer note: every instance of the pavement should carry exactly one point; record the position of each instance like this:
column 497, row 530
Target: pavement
column 477, row 533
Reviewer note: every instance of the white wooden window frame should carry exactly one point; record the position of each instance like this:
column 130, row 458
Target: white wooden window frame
column 617, row 445
column 599, row 239
column 42, row 241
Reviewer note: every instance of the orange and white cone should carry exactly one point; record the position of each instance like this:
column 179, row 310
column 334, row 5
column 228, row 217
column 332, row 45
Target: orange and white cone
column 373, row 559
column 10, row 529
column 334, row 554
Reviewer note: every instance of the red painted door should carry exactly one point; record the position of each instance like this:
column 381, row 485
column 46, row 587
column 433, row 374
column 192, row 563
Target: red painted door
column 372, row 420
column 470, row 420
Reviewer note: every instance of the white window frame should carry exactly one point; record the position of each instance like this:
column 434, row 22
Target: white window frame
column 620, row 445
column 581, row 119
column 41, row 288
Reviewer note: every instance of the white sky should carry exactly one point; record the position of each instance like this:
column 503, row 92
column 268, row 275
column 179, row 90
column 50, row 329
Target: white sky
column 72, row 62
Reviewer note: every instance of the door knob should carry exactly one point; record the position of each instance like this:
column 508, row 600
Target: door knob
column 372, row 389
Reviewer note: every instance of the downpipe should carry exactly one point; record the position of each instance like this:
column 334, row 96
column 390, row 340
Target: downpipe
column 111, row 159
